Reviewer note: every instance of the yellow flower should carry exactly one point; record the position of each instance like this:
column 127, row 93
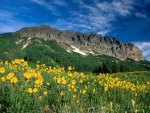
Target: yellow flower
column 37, row 66
column 2, row 70
column 35, row 90
column 27, row 75
column 75, row 90
column 136, row 94
column 105, row 88
column 21, row 60
column 10, row 75
column 39, row 81
column 14, row 80
column 73, row 82
column 63, row 78
column 86, row 87
column 81, row 81
column 45, row 93
column 25, row 64
column 72, row 86
column 40, row 97
column 64, row 82
column 69, row 85
column 55, row 78
column 58, row 80
column 3, row 79
column 84, row 91
column 93, row 90
column 6, row 63
column 62, row 93
column 30, row 90
column 16, row 61
column 70, row 68
column 70, row 74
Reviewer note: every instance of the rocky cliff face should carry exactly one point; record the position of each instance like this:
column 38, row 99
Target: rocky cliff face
column 85, row 43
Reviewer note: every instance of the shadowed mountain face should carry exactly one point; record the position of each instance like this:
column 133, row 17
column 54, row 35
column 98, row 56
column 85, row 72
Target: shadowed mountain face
column 84, row 43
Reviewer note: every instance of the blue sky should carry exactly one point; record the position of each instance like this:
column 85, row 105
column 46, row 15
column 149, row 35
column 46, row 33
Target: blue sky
column 127, row 20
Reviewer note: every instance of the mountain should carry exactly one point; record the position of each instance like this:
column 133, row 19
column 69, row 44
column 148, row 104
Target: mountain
column 62, row 48
column 84, row 44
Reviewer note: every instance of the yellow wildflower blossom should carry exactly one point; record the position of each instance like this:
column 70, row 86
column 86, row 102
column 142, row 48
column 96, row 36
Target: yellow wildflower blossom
column 58, row 80
column 30, row 90
column 64, row 81
column 72, row 86
column 45, row 93
column 81, row 81
column 27, row 75
column 84, row 91
column 14, row 80
column 75, row 90
column 55, row 78
column 9, row 76
column 40, row 97
column 93, row 90
column 2, row 70
column 35, row 90
column 3, row 79
column 39, row 81
column 62, row 93
column 70, row 68
column 70, row 74
column 73, row 82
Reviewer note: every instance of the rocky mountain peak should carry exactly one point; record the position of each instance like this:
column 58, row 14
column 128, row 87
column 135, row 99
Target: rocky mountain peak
column 84, row 43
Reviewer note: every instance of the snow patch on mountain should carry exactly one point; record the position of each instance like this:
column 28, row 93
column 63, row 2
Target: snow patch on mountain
column 68, row 51
column 24, row 46
column 92, row 52
column 18, row 42
column 78, row 50
column 27, row 43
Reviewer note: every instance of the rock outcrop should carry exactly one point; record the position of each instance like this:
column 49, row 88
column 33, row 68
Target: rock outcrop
column 87, row 43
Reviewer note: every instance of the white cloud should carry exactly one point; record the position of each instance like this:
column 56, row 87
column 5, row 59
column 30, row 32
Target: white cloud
column 40, row 2
column 103, row 32
column 51, row 5
column 145, row 48
column 94, row 17
column 121, row 7
column 47, row 5
column 60, row 3
column 97, row 16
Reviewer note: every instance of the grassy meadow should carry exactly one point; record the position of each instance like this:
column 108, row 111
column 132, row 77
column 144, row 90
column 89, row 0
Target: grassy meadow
column 42, row 89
